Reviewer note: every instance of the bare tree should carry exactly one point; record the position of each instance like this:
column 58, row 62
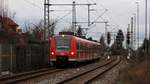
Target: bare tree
column 37, row 30
column 102, row 40
column 12, row 15
column 80, row 31
column 119, row 38
column 52, row 27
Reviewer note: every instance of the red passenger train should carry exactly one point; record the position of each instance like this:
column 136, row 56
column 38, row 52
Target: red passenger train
column 71, row 49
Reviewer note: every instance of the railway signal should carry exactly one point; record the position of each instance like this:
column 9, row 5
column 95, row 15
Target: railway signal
column 108, row 38
column 119, row 38
column 128, row 38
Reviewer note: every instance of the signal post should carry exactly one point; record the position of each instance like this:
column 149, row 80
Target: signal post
column 128, row 38
column 108, row 43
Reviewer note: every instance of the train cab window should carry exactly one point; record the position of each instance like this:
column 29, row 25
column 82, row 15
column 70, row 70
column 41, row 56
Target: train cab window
column 62, row 43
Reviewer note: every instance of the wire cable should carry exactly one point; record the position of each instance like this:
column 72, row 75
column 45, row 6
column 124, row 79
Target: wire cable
column 100, row 16
column 60, row 18
column 33, row 4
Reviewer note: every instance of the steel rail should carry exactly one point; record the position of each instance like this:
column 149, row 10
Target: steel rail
column 30, row 75
column 83, row 73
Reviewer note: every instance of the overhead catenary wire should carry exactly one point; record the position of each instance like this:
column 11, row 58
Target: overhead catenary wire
column 57, row 20
column 59, row 10
column 88, row 1
column 97, row 12
column 104, row 9
column 149, row 25
column 37, row 6
column 33, row 4
column 99, row 16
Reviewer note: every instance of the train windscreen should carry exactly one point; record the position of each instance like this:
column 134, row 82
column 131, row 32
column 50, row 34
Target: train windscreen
column 62, row 43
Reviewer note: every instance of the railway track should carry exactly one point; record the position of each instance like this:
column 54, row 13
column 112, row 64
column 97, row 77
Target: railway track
column 27, row 75
column 55, row 78
column 53, row 71
column 91, row 74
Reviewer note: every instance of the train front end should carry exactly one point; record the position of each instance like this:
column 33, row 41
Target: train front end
column 62, row 49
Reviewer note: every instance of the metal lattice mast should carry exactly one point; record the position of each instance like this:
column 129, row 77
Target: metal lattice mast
column 132, row 37
column 145, row 19
column 137, row 24
column 129, row 31
column 3, row 7
column 73, row 11
column 146, row 49
column 134, row 30
column 88, row 15
column 46, row 20
column 73, row 17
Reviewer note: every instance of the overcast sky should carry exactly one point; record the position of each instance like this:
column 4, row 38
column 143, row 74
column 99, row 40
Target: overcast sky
column 119, row 13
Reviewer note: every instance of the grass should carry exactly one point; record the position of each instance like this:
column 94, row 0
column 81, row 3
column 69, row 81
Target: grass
column 138, row 73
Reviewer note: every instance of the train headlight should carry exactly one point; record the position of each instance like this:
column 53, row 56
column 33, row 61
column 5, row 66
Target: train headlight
column 52, row 53
column 63, row 35
column 72, row 53
column 108, row 57
column 128, row 57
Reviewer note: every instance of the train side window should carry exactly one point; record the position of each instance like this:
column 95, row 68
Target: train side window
column 87, row 47
column 78, row 46
column 81, row 46
column 95, row 48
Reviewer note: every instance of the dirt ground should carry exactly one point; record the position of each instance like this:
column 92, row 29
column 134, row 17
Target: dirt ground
column 137, row 73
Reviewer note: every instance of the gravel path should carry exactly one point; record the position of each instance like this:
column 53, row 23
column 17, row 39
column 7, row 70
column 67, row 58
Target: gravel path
column 111, row 76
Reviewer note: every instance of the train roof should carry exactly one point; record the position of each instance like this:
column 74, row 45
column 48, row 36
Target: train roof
column 81, row 39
